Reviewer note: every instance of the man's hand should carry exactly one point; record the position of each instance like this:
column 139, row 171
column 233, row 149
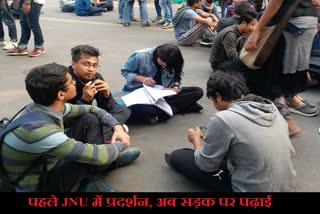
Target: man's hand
column 102, row 87
column 316, row 4
column 26, row 7
column 89, row 91
column 149, row 81
column 251, row 43
column 194, row 137
column 120, row 135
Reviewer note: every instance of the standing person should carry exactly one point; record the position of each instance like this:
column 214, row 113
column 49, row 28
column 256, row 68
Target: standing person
column 285, row 73
column 246, row 147
column 7, row 18
column 91, row 85
column 190, row 24
column 29, row 22
column 161, row 65
column 73, row 156
column 158, row 11
column 168, row 14
column 128, row 7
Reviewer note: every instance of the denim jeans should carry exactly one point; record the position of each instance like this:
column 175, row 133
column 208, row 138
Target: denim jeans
column 167, row 8
column 7, row 18
column 68, row 8
column 158, row 8
column 121, row 4
column 30, row 22
column 128, row 9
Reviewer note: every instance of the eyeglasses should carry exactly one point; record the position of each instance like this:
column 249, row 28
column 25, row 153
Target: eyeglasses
column 88, row 64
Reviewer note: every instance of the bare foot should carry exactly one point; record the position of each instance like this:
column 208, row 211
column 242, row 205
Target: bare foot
column 293, row 128
column 295, row 101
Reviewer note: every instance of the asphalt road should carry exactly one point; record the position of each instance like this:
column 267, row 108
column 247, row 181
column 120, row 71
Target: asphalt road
column 149, row 173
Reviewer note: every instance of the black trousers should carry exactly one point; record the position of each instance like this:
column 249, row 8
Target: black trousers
column 182, row 161
column 183, row 102
column 68, row 176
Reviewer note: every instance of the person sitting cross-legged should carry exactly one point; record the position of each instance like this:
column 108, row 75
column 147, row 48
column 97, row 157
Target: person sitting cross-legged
column 246, row 147
column 92, row 87
column 162, row 65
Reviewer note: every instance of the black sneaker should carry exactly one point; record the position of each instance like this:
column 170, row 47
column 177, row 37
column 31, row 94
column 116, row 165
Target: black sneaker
column 193, row 108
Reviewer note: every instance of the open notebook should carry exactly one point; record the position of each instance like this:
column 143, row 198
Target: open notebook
column 149, row 96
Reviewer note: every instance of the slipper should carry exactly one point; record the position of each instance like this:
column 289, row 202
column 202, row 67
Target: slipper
column 304, row 110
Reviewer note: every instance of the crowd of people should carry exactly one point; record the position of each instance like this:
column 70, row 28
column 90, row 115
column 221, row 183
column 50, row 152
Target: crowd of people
column 85, row 135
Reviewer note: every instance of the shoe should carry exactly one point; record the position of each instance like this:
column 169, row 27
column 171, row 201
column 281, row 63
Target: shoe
column 3, row 43
column 120, row 22
column 167, row 25
column 97, row 186
column 152, row 120
column 128, row 156
column 167, row 159
column 193, row 108
column 158, row 18
column 311, row 105
column 125, row 127
column 304, row 110
column 146, row 25
column 160, row 22
column 18, row 52
column 206, row 42
column 37, row 52
column 10, row 45
column 126, row 24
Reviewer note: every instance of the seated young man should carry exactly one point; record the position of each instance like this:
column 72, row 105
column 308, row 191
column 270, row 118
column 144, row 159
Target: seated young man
column 190, row 24
column 246, row 147
column 224, row 50
column 74, row 155
column 91, row 85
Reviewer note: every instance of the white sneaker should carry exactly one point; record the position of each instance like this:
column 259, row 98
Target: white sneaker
column 10, row 45
column 167, row 25
column 3, row 43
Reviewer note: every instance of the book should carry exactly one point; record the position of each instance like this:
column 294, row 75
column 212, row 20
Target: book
column 150, row 96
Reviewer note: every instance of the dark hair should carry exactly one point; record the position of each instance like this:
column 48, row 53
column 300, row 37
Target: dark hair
column 192, row 2
column 243, row 7
column 44, row 82
column 248, row 17
column 79, row 50
column 229, row 85
column 209, row 1
column 171, row 55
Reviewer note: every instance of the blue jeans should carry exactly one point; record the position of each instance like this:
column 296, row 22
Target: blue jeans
column 121, row 4
column 7, row 18
column 167, row 8
column 30, row 22
column 158, row 8
column 128, row 9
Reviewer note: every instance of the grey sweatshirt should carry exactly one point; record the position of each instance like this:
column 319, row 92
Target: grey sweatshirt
column 254, row 139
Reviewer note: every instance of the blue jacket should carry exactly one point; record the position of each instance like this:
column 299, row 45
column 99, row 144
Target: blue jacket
column 141, row 63
column 82, row 7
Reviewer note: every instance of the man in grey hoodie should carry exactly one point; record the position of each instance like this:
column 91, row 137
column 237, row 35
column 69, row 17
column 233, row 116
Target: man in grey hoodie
column 246, row 147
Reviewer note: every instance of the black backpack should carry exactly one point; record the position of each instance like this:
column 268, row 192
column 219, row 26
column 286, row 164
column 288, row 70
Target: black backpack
column 6, row 126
